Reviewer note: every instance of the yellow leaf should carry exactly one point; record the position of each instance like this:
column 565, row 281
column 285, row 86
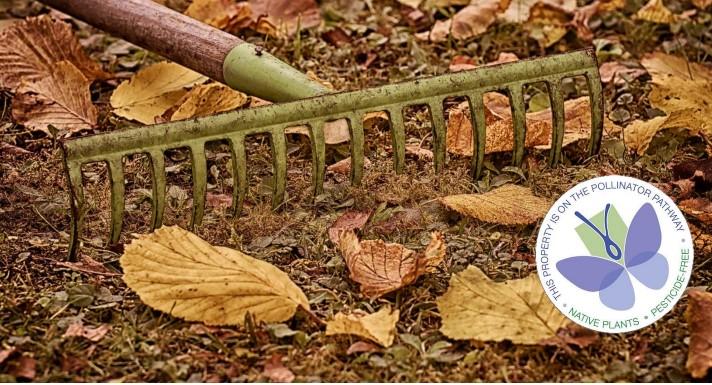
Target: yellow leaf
column 29, row 50
column 381, row 267
column 204, row 100
column 639, row 133
column 223, row 14
column 508, row 205
column 656, row 12
column 379, row 327
column 151, row 91
column 61, row 99
column 475, row 307
column 699, row 318
column 176, row 272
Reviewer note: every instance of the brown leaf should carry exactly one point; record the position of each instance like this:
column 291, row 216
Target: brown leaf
column 205, row 100
column 61, row 99
column 699, row 208
column 6, row 353
column 419, row 152
column 94, row 334
column 223, row 14
column 698, row 171
column 351, row 220
column 361, row 347
column 344, row 166
column 30, row 51
column 470, row 21
column 379, row 327
column 88, row 265
column 699, row 318
column 7, row 148
column 548, row 23
column 381, row 267
column 656, row 12
column 702, row 4
column 519, row 11
column 462, row 63
column 572, row 334
column 508, row 205
column 617, row 73
column 23, row 367
column 278, row 16
column 276, row 371
column 639, row 133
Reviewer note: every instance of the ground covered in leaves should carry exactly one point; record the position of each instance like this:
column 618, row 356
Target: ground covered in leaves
column 78, row 321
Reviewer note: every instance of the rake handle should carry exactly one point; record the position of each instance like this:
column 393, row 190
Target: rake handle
column 198, row 46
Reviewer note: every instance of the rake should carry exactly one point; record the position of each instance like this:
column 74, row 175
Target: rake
column 250, row 70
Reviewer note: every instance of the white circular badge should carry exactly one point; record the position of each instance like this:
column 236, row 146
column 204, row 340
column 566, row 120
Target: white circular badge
column 614, row 254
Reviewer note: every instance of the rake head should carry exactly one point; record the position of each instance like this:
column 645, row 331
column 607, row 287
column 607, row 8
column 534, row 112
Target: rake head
column 315, row 112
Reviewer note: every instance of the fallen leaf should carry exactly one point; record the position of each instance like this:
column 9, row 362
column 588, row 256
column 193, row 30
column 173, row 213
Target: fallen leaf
column 5, row 23
column 381, row 267
column 7, row 148
column 547, row 23
column 419, row 152
column 468, row 22
column 639, row 133
column 508, row 205
column 702, row 4
column 23, row 367
column 6, row 353
column 223, row 14
column 461, row 63
column 285, row 15
column 153, row 90
column 30, row 51
column 698, row 208
column 475, row 307
column 411, row 3
column 572, row 334
column 276, row 371
column 519, row 11
column 698, row 171
column 176, row 272
column 618, row 73
column 361, row 347
column 61, row 99
column 337, row 131
column 88, row 265
column 344, row 166
column 699, row 318
column 656, row 12
column 94, row 334
column 379, row 327
column 205, row 100
column 351, row 220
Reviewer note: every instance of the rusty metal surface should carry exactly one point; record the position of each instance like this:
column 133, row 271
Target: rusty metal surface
column 314, row 112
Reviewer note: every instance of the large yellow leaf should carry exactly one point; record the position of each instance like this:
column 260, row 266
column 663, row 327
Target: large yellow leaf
column 509, row 205
column 381, row 267
column 379, row 327
column 175, row 271
column 204, row 100
column 699, row 318
column 29, row 50
column 61, row 99
column 475, row 307
column 151, row 91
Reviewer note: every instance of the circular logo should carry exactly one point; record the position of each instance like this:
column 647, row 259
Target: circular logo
column 614, row 254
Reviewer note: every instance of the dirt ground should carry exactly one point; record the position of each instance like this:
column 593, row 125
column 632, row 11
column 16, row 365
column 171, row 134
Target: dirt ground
column 42, row 295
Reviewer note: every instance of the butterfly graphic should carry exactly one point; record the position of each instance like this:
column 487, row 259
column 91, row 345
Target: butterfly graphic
column 609, row 276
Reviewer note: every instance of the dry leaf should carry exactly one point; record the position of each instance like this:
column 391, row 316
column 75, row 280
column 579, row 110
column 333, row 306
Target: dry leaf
column 277, row 16
column 77, row 329
column 351, row 220
column 702, row 4
column 699, row 208
column 475, row 307
column 22, row 367
column 175, row 271
column 361, row 347
column 519, row 11
column 381, row 267
column 639, row 133
column 379, row 327
column 547, row 23
column 337, row 131
column 699, row 317
column 153, row 90
column 205, row 100
column 619, row 73
column 30, row 51
column 470, row 21
column 223, row 14
column 508, row 205
column 6, row 353
column 344, row 166
column 276, row 371
column 61, row 99
column 656, row 12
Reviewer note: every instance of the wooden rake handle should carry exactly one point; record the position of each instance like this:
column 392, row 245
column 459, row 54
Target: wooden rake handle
column 198, row 46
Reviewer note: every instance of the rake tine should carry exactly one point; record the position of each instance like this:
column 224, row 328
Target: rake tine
column 594, row 85
column 477, row 112
column 76, row 202
column 279, row 164
column 357, row 148
column 438, row 121
column 239, row 168
column 316, row 135
column 395, row 117
column 159, row 187
column 516, row 102
column 116, row 176
column 200, row 183
column 556, row 99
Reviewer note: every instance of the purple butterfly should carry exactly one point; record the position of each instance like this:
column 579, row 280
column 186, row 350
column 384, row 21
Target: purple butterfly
column 612, row 279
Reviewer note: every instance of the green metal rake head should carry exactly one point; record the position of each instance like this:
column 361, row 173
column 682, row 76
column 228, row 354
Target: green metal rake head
column 314, row 112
